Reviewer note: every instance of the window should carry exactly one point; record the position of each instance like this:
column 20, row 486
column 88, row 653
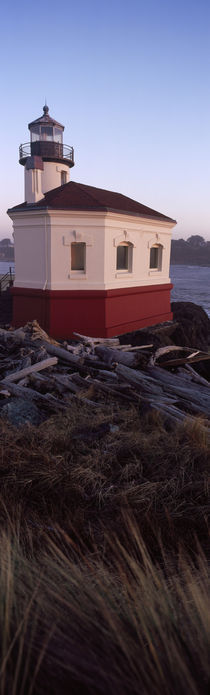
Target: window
column 35, row 133
column 46, row 132
column 156, row 257
column 58, row 135
column 35, row 181
column 78, row 256
column 63, row 177
column 124, row 256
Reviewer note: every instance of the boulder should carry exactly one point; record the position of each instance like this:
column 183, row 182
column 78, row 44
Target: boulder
column 193, row 327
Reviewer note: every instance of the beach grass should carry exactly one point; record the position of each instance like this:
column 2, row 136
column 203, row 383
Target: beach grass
column 104, row 555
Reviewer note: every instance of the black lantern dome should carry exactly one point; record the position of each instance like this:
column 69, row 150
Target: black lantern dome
column 46, row 141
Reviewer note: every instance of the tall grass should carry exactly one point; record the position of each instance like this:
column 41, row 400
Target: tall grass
column 87, row 628
column 103, row 556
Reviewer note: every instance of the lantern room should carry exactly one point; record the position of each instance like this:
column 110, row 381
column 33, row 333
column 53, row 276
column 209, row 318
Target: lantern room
column 46, row 158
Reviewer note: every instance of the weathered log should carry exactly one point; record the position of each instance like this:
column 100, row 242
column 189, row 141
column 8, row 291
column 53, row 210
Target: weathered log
column 171, row 412
column 65, row 381
column 58, row 382
column 198, row 357
column 63, row 354
column 193, row 395
column 180, row 378
column 34, row 332
column 28, row 394
column 15, row 376
column 94, row 364
column 107, row 375
column 197, row 377
column 163, row 351
column 80, row 380
column 110, row 355
column 134, row 348
column 111, row 390
column 176, row 386
column 17, row 336
column 23, row 382
column 138, row 379
column 88, row 340
column 75, row 349
column 5, row 393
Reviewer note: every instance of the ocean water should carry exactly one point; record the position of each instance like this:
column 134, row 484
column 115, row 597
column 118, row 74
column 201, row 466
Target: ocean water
column 5, row 266
column 191, row 284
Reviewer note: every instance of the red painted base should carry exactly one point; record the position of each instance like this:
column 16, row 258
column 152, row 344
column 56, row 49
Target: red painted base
column 104, row 313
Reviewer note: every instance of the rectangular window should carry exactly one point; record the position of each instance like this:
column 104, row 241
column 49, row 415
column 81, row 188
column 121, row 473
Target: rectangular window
column 122, row 257
column 35, row 181
column 58, row 135
column 78, row 256
column 63, row 177
column 35, row 133
column 154, row 257
column 46, row 132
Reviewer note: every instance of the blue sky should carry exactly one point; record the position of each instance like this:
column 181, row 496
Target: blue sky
column 131, row 83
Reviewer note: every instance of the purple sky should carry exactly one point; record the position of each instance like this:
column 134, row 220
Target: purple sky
column 130, row 82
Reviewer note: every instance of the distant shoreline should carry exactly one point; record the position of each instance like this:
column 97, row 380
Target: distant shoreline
column 190, row 263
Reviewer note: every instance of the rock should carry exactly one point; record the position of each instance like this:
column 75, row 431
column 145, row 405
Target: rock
column 193, row 327
column 20, row 412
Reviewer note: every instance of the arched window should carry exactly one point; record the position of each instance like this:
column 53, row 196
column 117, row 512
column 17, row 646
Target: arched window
column 124, row 256
column 156, row 252
column 78, row 256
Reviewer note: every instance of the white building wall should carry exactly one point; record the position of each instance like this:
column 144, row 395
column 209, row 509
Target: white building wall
column 38, row 182
column 32, row 250
column 33, row 185
column 51, row 175
column 142, row 234
column 83, row 227
column 43, row 249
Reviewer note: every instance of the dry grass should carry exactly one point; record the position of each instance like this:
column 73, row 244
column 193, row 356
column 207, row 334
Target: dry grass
column 87, row 628
column 104, row 578
column 73, row 474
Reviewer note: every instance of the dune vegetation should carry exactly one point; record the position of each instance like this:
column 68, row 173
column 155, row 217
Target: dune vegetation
column 104, row 549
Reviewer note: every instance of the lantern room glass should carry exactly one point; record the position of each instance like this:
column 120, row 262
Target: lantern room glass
column 58, row 135
column 35, row 133
column 46, row 133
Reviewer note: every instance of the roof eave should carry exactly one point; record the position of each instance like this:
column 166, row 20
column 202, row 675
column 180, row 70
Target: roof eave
column 36, row 206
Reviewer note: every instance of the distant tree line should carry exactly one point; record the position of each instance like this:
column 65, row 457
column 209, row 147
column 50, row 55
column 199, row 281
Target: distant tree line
column 193, row 251
column 6, row 250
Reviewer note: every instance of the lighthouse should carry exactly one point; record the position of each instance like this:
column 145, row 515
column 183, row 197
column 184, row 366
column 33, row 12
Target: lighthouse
column 45, row 158
column 86, row 259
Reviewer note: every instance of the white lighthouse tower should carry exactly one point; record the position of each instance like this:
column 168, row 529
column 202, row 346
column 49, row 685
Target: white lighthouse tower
column 86, row 259
column 46, row 159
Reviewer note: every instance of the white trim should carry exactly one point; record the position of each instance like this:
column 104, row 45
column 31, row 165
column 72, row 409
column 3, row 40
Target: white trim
column 155, row 242
column 74, row 235
column 124, row 237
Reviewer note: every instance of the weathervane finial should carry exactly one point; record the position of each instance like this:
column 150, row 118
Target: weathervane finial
column 45, row 108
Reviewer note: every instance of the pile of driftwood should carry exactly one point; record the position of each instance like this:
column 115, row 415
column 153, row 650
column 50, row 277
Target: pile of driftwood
column 38, row 369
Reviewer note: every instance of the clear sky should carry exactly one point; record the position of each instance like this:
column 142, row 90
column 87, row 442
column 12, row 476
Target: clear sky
column 131, row 83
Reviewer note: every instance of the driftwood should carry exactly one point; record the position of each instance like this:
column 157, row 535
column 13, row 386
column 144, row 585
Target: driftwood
column 164, row 351
column 198, row 357
column 110, row 355
column 133, row 348
column 96, row 369
column 15, row 376
column 30, row 395
column 63, row 354
column 96, row 341
column 197, row 377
